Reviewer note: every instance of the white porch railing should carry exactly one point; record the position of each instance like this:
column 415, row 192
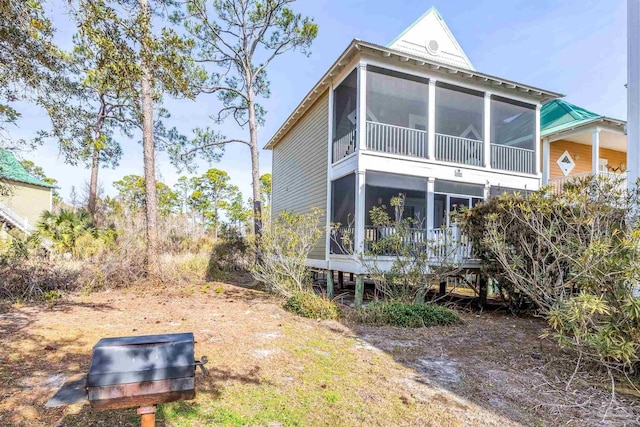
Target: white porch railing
column 557, row 184
column 459, row 150
column 445, row 245
column 514, row 159
column 396, row 140
column 344, row 145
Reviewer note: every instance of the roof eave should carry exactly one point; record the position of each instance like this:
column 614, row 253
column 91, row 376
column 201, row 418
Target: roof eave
column 577, row 126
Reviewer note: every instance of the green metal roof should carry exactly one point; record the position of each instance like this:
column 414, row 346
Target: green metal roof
column 559, row 115
column 11, row 169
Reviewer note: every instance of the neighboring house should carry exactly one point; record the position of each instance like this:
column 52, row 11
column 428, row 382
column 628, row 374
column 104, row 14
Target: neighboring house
column 23, row 198
column 415, row 118
column 579, row 143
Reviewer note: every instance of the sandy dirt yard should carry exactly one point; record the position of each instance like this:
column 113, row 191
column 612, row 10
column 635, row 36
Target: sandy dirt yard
column 271, row 368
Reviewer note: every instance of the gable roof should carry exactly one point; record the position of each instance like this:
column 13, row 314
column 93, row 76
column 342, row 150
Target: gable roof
column 559, row 115
column 11, row 169
column 429, row 37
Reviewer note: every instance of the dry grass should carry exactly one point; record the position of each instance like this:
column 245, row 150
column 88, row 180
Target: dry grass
column 269, row 367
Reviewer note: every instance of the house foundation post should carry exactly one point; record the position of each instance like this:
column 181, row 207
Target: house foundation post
column 330, row 283
column 483, row 291
column 340, row 279
column 359, row 290
column 443, row 288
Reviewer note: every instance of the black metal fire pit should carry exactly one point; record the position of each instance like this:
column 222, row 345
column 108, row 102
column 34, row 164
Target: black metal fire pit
column 139, row 372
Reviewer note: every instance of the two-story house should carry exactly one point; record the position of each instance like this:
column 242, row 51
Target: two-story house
column 413, row 118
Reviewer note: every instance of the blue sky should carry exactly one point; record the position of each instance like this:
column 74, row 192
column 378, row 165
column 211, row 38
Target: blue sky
column 575, row 47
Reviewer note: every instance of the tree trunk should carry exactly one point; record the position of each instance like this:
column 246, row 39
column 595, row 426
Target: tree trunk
column 93, row 183
column 255, row 169
column 148, row 147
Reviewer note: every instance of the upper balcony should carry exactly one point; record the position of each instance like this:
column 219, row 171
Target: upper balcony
column 417, row 117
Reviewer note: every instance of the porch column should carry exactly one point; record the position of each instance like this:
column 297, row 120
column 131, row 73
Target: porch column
column 546, row 161
column 430, row 202
column 487, row 130
column 361, row 116
column 595, row 150
column 431, row 121
column 536, row 144
column 358, row 234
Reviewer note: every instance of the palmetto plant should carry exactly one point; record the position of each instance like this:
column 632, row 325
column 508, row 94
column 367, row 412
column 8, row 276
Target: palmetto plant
column 65, row 228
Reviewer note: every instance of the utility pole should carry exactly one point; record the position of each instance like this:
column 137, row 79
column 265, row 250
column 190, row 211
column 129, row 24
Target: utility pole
column 633, row 92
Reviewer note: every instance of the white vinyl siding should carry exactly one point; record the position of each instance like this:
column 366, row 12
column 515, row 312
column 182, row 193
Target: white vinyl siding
column 300, row 169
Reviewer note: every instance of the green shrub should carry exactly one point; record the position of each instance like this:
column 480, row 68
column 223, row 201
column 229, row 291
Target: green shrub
column 405, row 315
column 232, row 253
column 308, row 304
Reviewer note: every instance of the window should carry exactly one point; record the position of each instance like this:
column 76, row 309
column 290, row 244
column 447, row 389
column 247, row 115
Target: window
column 382, row 187
column 603, row 165
column 512, row 123
column 452, row 197
column 343, row 207
column 397, row 99
column 344, row 116
column 459, row 112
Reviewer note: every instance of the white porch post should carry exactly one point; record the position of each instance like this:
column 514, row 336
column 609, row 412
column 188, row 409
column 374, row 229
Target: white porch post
column 487, row 130
column 358, row 234
column 633, row 92
column 430, row 202
column 595, row 150
column 546, row 161
column 431, row 121
column 327, row 249
column 536, row 151
column 361, row 116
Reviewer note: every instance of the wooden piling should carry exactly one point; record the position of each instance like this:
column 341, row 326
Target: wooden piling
column 147, row 416
column 359, row 290
column 330, row 284
column 483, row 292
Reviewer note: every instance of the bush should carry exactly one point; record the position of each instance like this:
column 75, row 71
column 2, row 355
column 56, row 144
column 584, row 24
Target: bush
column 575, row 255
column 405, row 315
column 284, row 248
column 232, row 253
column 312, row 306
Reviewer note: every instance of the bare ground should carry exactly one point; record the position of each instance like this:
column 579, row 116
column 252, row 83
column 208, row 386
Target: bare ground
column 269, row 367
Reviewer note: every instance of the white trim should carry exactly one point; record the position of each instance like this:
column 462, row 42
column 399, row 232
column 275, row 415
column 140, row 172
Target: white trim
column 361, row 107
column 595, row 150
column 360, row 215
column 436, row 163
column 317, row 263
column 343, row 169
column 329, row 212
column 487, row 130
column 481, row 176
column 546, row 161
column 536, row 151
column 444, row 78
column 430, row 201
column 431, row 126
